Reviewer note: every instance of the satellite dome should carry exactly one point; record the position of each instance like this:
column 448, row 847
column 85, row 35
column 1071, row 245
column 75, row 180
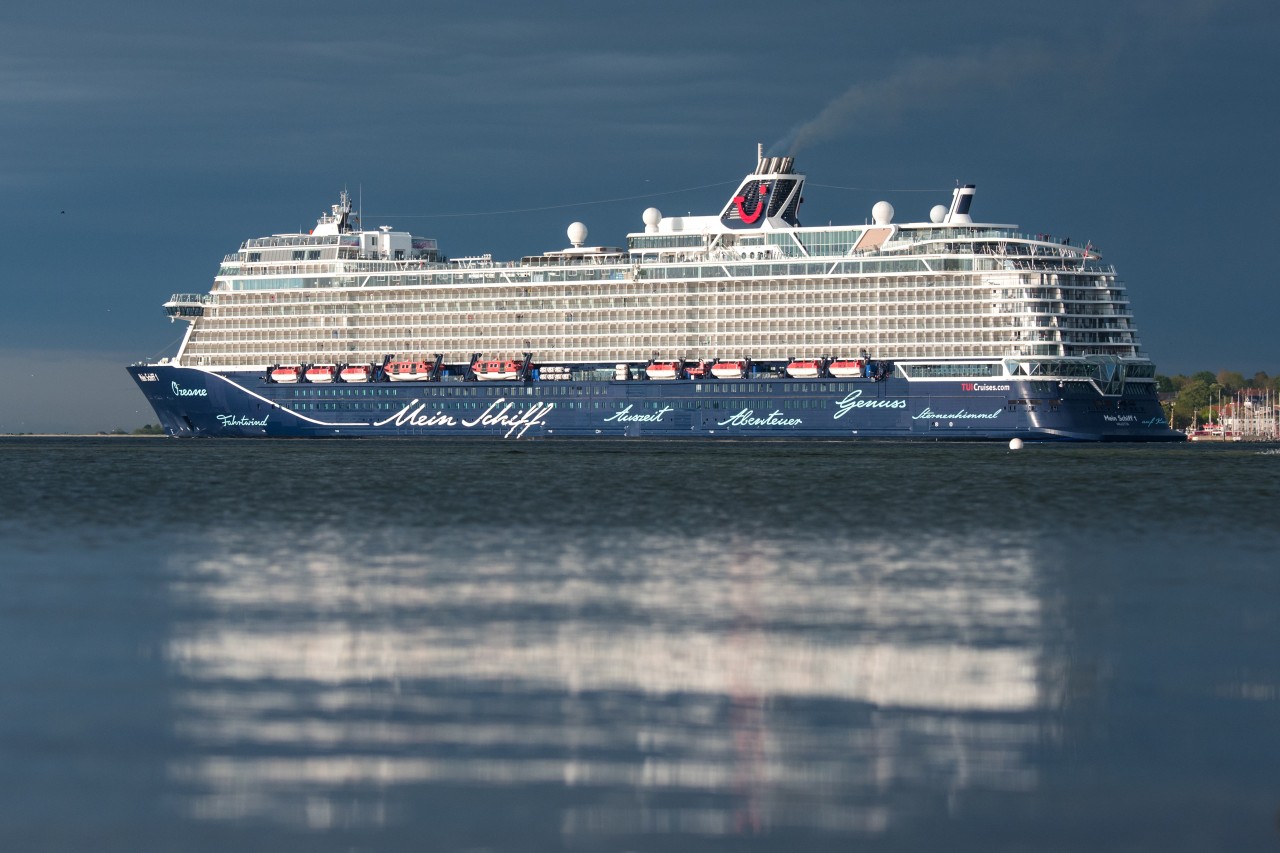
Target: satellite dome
column 577, row 233
column 882, row 213
column 937, row 213
column 652, row 216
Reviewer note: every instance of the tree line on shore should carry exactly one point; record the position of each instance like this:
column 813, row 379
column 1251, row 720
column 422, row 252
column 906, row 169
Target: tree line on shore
column 1197, row 395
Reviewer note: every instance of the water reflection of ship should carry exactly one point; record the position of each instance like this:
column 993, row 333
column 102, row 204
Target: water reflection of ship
column 746, row 701
column 929, row 671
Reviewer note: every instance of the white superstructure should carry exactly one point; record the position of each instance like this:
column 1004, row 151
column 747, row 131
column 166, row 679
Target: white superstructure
column 751, row 282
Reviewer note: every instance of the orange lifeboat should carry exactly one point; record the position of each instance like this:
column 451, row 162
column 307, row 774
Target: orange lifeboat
column 846, row 368
column 496, row 369
column 321, row 373
column 405, row 371
column 355, row 373
column 286, row 374
column 804, row 368
column 663, row 370
column 729, row 368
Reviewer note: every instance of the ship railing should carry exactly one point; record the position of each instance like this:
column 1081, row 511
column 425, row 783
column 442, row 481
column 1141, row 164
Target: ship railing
column 190, row 299
column 300, row 240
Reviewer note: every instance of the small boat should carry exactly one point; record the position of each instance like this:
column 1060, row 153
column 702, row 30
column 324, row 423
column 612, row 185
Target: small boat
column 846, row 368
column 404, row 371
column 663, row 370
column 355, row 373
column 285, row 374
column 1213, row 432
column 321, row 373
column 729, row 368
column 804, row 368
column 498, row 369
column 696, row 371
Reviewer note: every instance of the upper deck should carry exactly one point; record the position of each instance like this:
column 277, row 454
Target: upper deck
column 751, row 281
column 760, row 223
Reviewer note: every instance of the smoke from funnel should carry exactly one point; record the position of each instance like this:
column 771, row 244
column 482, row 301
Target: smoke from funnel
column 921, row 85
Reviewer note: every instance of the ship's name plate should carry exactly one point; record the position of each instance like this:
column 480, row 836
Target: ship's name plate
column 501, row 413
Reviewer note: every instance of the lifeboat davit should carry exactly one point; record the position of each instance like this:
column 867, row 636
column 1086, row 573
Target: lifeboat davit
column 729, row 368
column 503, row 369
column 663, row 370
column 804, row 368
column 285, row 375
column 846, row 368
column 321, row 373
column 404, row 371
column 355, row 373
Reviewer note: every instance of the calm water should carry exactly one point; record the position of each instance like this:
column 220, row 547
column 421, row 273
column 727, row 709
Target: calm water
column 214, row 646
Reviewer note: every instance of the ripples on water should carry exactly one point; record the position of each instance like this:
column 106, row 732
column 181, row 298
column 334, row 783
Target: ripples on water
column 218, row 645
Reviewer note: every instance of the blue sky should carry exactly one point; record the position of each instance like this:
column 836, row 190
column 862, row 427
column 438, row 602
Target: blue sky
column 144, row 141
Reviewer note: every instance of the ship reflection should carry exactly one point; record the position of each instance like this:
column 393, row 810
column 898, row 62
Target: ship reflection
column 657, row 683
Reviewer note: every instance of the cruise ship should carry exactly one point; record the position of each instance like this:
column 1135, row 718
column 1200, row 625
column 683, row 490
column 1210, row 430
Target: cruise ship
column 744, row 324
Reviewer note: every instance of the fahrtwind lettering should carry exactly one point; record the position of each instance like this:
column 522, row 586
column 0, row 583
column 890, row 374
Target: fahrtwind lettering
column 241, row 420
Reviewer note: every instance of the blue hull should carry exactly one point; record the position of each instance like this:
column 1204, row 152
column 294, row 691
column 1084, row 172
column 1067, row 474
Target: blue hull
column 195, row 402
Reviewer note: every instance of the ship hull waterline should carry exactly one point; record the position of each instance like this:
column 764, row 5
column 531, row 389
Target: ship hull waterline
column 194, row 402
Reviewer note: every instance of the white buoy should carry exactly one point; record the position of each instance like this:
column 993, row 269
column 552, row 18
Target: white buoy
column 1015, row 444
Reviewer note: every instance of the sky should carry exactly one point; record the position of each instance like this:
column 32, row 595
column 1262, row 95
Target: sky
column 144, row 141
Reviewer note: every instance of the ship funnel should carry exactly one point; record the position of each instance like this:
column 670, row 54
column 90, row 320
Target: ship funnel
column 775, row 165
column 961, row 198
column 768, row 197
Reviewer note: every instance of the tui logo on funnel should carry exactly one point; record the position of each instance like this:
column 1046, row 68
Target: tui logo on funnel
column 761, row 203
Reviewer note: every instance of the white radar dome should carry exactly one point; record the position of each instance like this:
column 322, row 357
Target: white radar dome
column 652, row 216
column 882, row 213
column 577, row 233
column 937, row 213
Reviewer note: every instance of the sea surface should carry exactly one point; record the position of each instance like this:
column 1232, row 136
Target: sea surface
column 637, row 646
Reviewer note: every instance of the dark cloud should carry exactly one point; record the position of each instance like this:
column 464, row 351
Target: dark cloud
column 171, row 132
